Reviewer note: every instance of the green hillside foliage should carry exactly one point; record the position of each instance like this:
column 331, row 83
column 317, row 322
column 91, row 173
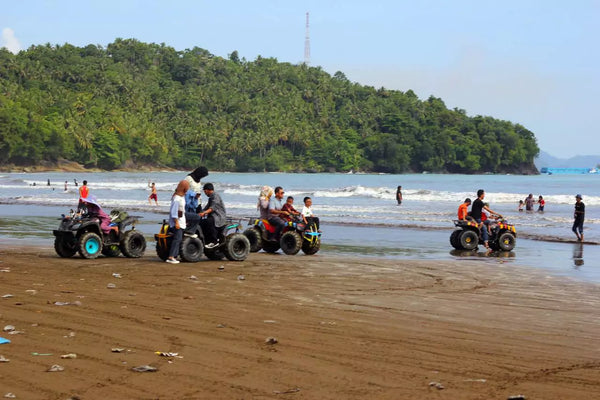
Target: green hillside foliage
column 133, row 104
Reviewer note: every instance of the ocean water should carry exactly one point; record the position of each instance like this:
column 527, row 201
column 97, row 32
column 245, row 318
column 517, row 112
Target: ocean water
column 358, row 211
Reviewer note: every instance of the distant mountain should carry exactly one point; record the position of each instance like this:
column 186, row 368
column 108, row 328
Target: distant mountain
column 546, row 160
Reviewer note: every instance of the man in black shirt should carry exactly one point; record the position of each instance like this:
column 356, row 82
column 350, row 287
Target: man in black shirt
column 476, row 210
column 579, row 216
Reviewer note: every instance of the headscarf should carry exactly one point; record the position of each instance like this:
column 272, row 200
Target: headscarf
column 265, row 195
column 182, row 187
column 199, row 173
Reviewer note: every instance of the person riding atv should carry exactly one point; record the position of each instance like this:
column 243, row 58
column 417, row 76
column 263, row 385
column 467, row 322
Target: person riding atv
column 91, row 232
column 502, row 235
column 296, row 236
column 231, row 243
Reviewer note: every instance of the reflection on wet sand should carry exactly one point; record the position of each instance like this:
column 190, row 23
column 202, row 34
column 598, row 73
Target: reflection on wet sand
column 578, row 255
column 475, row 253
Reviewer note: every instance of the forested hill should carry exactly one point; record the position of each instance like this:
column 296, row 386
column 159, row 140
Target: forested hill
column 136, row 104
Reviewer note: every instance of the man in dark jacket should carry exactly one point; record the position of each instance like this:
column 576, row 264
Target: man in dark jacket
column 213, row 216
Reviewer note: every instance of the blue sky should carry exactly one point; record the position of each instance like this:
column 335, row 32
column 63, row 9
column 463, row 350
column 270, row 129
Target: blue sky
column 532, row 62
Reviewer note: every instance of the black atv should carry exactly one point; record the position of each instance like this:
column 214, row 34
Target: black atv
column 503, row 235
column 80, row 232
column 295, row 235
column 232, row 244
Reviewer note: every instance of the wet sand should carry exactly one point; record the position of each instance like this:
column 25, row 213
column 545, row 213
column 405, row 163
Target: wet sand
column 347, row 328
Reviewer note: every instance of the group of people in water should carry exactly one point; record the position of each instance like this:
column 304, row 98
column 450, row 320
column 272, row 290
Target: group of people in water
column 529, row 202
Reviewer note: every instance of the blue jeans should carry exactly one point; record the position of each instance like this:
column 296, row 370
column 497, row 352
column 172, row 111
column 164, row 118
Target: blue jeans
column 176, row 242
column 484, row 232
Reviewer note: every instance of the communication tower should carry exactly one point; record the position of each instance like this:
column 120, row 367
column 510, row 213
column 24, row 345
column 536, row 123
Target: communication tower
column 307, row 44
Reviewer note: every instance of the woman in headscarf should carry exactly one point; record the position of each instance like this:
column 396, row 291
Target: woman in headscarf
column 177, row 221
column 263, row 201
column 94, row 210
column 192, row 198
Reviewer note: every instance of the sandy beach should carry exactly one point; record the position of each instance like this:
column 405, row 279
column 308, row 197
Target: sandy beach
column 345, row 329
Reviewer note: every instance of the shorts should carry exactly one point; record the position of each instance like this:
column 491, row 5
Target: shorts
column 153, row 197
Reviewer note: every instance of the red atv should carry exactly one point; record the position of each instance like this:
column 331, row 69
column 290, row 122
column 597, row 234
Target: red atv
column 296, row 235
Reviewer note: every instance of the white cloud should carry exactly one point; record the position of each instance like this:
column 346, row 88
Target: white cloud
column 9, row 40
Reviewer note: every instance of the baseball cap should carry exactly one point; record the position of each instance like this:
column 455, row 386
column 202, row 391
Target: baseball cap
column 578, row 196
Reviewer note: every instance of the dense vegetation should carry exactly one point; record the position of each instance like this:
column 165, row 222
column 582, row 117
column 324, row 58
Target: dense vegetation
column 133, row 104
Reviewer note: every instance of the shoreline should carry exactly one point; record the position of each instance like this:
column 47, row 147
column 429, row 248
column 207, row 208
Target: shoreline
column 346, row 328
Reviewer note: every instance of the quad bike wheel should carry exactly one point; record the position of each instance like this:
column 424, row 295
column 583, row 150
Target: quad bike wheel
column 191, row 249
column 65, row 248
column 291, row 242
column 469, row 239
column 309, row 248
column 455, row 239
column 133, row 244
column 255, row 239
column 111, row 251
column 90, row 245
column 237, row 247
column 506, row 241
column 270, row 247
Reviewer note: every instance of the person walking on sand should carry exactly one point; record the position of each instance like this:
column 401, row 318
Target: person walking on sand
column 399, row 195
column 153, row 195
column 578, row 216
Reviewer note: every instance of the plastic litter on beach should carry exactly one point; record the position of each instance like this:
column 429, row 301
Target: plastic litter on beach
column 117, row 350
column 67, row 303
column 517, row 397
column 241, row 278
column 221, row 268
column 8, row 296
column 193, row 278
column 69, row 356
column 144, row 368
column 41, row 354
column 3, row 359
column 10, row 395
column 271, row 340
column 436, row 385
column 116, row 275
column 9, row 328
column 31, row 292
column 56, row 368
column 111, row 286
column 167, row 354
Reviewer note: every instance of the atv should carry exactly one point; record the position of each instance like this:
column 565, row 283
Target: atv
column 295, row 235
column 80, row 232
column 232, row 244
column 467, row 236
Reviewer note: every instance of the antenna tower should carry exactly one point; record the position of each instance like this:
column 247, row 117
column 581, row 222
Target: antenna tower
column 307, row 44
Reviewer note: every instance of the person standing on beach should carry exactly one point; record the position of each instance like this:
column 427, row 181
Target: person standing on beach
column 177, row 220
column 579, row 216
column 66, row 186
column 399, row 195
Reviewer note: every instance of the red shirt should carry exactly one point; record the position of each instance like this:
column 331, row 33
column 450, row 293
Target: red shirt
column 463, row 211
